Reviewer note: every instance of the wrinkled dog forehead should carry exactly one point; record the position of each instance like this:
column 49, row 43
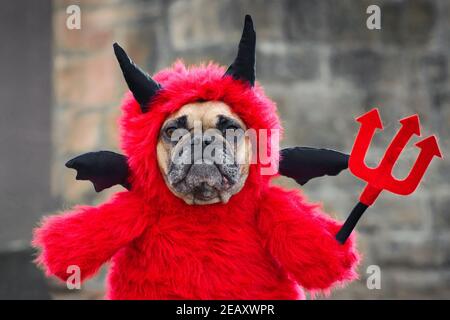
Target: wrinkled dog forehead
column 207, row 113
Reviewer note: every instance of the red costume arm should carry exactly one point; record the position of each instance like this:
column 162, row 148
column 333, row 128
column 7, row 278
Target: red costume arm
column 302, row 240
column 88, row 236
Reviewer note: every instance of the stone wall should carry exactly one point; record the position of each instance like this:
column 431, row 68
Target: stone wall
column 322, row 66
column 25, row 109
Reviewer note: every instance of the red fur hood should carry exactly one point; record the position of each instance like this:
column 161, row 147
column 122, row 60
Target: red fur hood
column 182, row 85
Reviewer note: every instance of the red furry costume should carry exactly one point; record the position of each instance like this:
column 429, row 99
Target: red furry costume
column 265, row 243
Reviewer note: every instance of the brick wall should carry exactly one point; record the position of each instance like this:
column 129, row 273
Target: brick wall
column 322, row 66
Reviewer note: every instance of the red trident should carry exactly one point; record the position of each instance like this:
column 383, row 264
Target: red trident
column 381, row 178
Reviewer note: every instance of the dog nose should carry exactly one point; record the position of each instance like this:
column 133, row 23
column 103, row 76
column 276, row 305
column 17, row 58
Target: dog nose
column 205, row 140
column 196, row 140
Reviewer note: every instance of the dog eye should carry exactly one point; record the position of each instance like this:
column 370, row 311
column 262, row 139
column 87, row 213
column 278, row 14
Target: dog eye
column 231, row 127
column 169, row 131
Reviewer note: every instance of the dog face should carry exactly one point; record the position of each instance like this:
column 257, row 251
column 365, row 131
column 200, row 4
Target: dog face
column 203, row 153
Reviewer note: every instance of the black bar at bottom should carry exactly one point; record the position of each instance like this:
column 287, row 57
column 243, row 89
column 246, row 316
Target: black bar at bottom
column 351, row 222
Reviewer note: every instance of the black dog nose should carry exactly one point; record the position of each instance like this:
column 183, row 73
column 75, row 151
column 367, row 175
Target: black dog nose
column 205, row 140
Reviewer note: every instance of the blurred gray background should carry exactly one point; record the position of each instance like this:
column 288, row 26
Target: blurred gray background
column 60, row 92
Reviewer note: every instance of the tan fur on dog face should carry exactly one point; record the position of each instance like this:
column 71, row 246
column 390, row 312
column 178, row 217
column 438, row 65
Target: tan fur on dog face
column 208, row 114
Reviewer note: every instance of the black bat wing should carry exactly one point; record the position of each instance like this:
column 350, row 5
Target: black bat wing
column 103, row 168
column 305, row 163
column 106, row 168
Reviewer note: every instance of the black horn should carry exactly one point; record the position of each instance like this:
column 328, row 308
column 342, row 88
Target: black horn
column 243, row 66
column 139, row 82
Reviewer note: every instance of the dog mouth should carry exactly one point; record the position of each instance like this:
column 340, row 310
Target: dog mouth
column 204, row 182
column 204, row 192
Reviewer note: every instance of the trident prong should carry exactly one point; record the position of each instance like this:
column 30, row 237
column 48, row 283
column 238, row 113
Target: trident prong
column 429, row 148
column 370, row 122
column 381, row 178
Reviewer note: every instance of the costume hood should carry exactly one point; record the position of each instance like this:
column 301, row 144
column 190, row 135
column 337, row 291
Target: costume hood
column 181, row 85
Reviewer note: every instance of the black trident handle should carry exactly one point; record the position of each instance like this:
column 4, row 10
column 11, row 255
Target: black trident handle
column 351, row 222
